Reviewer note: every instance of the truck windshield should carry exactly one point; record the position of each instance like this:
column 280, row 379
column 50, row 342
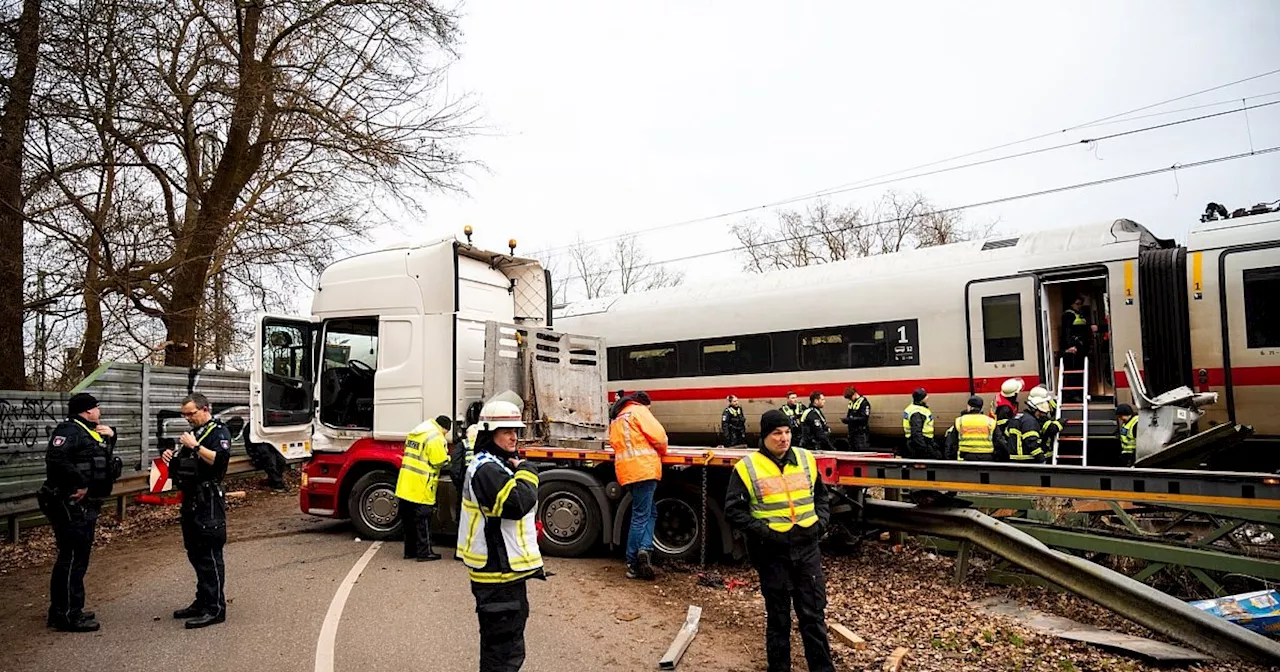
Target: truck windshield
column 347, row 369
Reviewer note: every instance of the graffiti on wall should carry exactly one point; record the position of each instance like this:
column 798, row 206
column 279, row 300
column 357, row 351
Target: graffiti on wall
column 25, row 424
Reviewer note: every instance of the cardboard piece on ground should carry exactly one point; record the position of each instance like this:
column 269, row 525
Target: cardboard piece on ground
column 848, row 636
column 1066, row 628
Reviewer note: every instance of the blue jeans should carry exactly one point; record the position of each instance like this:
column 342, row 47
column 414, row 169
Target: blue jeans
column 642, row 519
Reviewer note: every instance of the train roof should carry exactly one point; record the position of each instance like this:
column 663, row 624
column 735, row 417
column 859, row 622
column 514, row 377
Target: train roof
column 1091, row 237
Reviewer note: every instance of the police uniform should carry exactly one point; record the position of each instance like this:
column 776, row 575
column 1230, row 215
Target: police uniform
column 77, row 458
column 1129, row 441
column 204, row 520
column 793, row 413
column 459, row 461
column 917, row 427
column 425, row 453
column 814, row 432
column 859, row 420
column 733, row 426
column 781, row 505
column 498, row 542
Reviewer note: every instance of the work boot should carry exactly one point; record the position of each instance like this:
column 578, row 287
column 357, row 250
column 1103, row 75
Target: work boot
column 204, row 620
column 190, row 611
column 51, row 620
column 644, row 565
column 79, row 625
column 429, row 557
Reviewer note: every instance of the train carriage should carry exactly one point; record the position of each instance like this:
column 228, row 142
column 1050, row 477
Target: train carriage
column 959, row 319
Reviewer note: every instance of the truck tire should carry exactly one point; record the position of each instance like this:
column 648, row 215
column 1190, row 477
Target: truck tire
column 678, row 528
column 372, row 504
column 570, row 517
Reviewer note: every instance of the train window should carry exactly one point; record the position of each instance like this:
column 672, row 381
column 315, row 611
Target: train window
column 1262, row 307
column 742, row 354
column 649, row 361
column 1002, row 328
column 823, row 350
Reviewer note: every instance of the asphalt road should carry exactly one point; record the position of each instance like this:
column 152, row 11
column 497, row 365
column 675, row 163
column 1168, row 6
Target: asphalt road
column 284, row 569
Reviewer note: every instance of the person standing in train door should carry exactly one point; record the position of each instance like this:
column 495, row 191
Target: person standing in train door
column 1128, row 422
column 793, row 410
column 816, row 435
column 733, row 424
column 858, row 419
column 917, row 425
column 1075, row 336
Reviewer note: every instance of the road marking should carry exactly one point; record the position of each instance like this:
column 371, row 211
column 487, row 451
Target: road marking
column 329, row 631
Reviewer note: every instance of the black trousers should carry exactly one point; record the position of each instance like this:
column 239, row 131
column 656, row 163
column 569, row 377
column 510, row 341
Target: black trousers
column 503, row 609
column 73, row 530
column 789, row 580
column 417, row 528
column 860, row 440
column 204, row 533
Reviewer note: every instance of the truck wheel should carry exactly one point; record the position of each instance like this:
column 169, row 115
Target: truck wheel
column 678, row 528
column 570, row 519
column 375, row 511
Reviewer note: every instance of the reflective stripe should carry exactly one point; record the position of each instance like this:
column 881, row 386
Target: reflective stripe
column 1078, row 320
column 1129, row 436
column 913, row 409
column 785, row 499
column 519, row 537
column 1018, row 437
column 975, row 434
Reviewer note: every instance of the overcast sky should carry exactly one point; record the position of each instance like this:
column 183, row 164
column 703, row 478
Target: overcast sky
column 612, row 116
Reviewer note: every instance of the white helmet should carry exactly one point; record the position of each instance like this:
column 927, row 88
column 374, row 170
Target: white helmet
column 1039, row 399
column 499, row 414
column 1011, row 387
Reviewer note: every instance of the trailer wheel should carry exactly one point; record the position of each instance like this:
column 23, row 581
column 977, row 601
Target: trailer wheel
column 570, row 518
column 375, row 511
column 678, row 528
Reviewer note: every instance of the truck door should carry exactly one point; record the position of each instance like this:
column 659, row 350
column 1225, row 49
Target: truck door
column 413, row 381
column 1004, row 337
column 282, row 393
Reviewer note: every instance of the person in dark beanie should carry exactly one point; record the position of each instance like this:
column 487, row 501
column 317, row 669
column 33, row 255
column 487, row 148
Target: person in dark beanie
column 80, row 470
column 777, row 499
column 917, row 425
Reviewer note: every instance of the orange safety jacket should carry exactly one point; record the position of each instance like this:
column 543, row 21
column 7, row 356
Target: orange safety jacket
column 639, row 442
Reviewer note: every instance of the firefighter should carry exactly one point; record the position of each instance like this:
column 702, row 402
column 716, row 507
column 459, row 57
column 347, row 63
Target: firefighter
column 858, row 418
column 815, row 434
column 733, row 424
column 1050, row 428
column 793, row 410
column 197, row 469
column 775, row 497
column 497, row 536
column 426, row 452
column 80, row 469
column 460, row 457
column 639, row 441
column 917, row 425
column 1024, row 429
column 1004, row 408
column 1128, row 423
column 971, row 438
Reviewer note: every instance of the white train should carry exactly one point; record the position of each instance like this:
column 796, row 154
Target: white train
column 960, row 319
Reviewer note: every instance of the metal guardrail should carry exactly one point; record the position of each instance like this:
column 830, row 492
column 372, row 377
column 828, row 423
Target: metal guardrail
column 1132, row 599
column 13, row 508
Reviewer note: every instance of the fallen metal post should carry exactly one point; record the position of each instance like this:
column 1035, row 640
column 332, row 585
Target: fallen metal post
column 682, row 640
column 1134, row 600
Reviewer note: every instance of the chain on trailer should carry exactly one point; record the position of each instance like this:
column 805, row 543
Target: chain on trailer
column 705, row 578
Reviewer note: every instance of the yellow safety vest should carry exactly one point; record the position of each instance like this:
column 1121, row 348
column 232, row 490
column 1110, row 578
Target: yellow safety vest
column 857, row 403
column 792, row 415
column 975, row 431
column 425, row 452
column 1129, row 436
column 1077, row 319
column 519, row 537
column 782, row 499
column 98, row 437
column 928, row 420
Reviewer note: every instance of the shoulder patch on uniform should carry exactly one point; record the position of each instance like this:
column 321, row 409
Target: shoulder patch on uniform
column 225, row 443
column 59, row 440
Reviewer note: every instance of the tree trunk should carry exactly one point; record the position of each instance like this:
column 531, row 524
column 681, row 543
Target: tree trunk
column 91, row 344
column 13, row 128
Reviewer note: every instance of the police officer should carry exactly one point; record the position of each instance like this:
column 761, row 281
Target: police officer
column 1128, row 422
column 497, row 538
column 1074, row 340
column 426, row 451
column 80, row 468
column 793, row 409
column 970, row 439
column 815, row 434
column 859, row 420
column 461, row 455
column 775, row 497
column 917, row 426
column 733, row 424
column 1023, row 429
column 197, row 469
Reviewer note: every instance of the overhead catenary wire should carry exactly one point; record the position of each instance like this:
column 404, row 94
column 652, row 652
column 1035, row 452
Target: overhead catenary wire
column 816, row 194
column 959, row 208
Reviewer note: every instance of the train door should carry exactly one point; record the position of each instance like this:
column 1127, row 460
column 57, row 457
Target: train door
column 1005, row 340
column 1249, row 283
column 1057, row 294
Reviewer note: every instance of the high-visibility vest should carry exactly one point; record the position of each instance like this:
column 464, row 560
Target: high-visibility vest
column 1020, row 428
column 1129, row 436
column 1077, row 320
column 425, row 452
column 857, row 404
column 469, row 445
column 928, row 420
column 975, row 431
column 519, row 537
column 793, row 414
column 638, row 441
column 783, row 499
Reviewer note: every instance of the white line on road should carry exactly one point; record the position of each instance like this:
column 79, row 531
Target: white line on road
column 329, row 631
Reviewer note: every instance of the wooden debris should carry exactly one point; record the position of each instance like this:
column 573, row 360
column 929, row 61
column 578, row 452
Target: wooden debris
column 237, row 494
column 849, row 637
column 894, row 662
column 681, row 643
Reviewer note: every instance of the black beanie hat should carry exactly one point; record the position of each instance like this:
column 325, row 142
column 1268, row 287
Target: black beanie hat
column 919, row 395
column 1124, row 409
column 81, row 402
column 445, row 423
column 771, row 420
column 975, row 402
column 642, row 397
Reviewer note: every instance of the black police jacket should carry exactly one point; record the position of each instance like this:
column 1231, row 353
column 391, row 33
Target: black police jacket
column 75, row 460
column 189, row 471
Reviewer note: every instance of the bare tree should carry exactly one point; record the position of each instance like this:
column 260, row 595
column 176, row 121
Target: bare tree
column 21, row 38
column 593, row 271
column 636, row 272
